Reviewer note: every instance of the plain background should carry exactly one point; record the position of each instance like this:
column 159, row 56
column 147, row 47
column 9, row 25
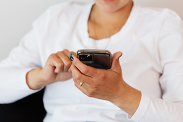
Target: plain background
column 16, row 17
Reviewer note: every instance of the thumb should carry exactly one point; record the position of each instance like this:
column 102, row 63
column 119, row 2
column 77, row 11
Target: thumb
column 115, row 61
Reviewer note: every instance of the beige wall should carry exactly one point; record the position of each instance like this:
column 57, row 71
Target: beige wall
column 175, row 5
column 16, row 17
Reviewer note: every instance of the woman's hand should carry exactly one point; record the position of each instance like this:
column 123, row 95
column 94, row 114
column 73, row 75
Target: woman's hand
column 106, row 84
column 57, row 68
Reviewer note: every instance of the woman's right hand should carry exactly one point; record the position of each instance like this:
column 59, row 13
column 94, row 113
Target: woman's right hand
column 57, row 68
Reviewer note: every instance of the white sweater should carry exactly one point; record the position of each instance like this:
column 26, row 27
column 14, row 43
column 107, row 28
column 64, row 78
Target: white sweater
column 152, row 62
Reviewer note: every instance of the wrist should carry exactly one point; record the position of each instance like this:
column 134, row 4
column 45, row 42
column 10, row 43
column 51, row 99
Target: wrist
column 34, row 79
column 129, row 99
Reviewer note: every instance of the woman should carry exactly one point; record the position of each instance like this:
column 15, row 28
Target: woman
column 148, row 90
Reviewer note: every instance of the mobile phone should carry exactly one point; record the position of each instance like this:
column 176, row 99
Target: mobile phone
column 101, row 59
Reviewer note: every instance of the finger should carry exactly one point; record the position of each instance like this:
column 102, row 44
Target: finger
column 69, row 54
column 56, row 63
column 74, row 53
column 66, row 61
column 86, row 89
column 83, row 85
column 79, row 77
column 66, row 51
column 83, row 68
column 89, row 90
column 115, row 62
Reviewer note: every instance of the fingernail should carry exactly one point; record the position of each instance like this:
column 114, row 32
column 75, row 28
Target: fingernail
column 71, row 58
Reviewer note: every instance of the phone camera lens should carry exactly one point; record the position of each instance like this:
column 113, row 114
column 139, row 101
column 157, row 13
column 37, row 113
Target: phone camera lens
column 88, row 56
column 85, row 57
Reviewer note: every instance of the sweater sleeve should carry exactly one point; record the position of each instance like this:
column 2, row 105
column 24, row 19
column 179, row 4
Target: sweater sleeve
column 14, row 68
column 169, row 107
column 26, row 56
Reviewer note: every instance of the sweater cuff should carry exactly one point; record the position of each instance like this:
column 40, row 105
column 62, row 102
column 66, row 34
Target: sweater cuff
column 24, row 83
column 144, row 103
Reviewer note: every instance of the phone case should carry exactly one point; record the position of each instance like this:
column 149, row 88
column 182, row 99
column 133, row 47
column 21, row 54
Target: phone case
column 95, row 58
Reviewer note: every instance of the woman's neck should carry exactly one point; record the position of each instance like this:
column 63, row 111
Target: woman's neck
column 103, row 24
column 116, row 18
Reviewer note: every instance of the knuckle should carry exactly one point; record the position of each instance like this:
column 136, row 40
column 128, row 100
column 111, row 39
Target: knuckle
column 59, row 52
column 65, row 50
column 78, row 76
column 102, row 76
column 85, row 70
column 90, row 94
column 52, row 55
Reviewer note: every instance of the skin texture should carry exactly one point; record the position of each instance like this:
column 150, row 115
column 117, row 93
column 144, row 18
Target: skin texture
column 106, row 19
column 57, row 68
column 101, row 84
column 111, row 7
column 106, row 84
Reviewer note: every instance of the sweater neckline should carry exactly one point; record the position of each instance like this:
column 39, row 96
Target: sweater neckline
column 125, row 29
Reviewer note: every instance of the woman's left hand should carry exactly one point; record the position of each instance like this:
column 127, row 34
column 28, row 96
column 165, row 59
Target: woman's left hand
column 105, row 84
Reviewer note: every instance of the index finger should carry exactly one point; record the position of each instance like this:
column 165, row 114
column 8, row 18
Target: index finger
column 83, row 68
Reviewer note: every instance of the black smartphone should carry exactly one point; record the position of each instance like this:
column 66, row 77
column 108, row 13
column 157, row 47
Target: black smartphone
column 95, row 58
